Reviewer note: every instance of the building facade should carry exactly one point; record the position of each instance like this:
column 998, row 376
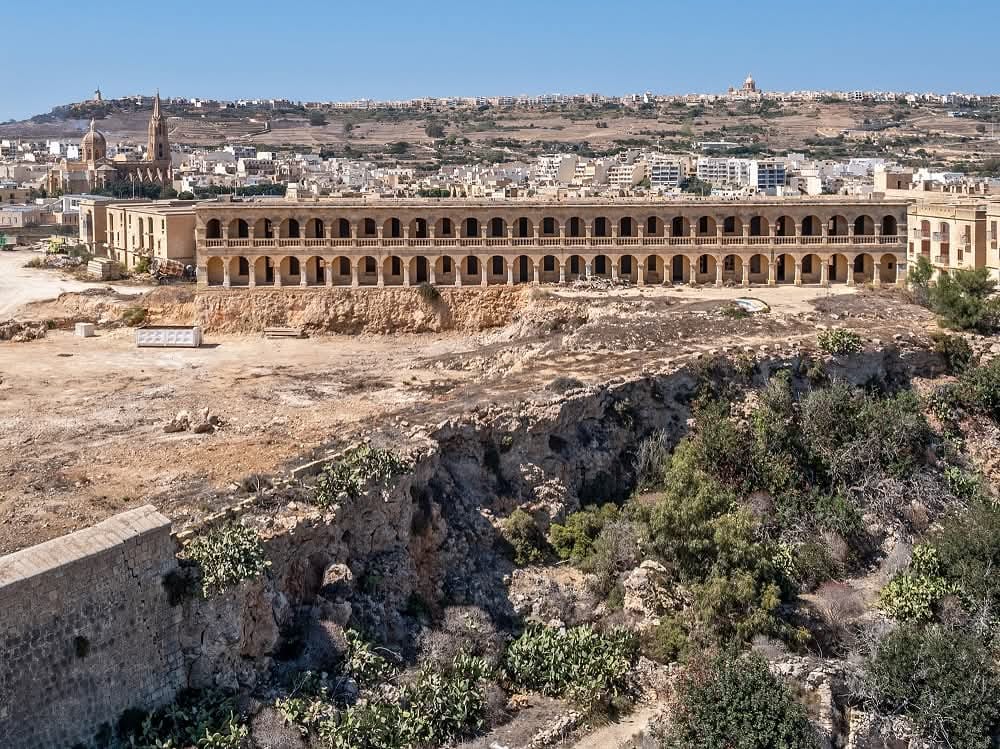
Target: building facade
column 458, row 242
column 129, row 230
column 951, row 232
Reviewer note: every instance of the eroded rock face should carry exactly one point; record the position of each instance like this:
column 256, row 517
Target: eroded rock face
column 650, row 593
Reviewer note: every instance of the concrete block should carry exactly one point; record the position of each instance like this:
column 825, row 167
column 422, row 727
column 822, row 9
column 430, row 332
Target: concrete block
column 84, row 329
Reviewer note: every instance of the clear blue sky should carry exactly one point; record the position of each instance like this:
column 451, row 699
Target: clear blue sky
column 59, row 51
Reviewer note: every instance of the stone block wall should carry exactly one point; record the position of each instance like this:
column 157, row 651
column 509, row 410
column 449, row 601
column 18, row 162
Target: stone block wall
column 87, row 631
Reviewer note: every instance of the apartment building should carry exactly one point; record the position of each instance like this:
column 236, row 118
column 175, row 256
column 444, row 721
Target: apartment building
column 664, row 174
column 767, row 176
column 724, row 172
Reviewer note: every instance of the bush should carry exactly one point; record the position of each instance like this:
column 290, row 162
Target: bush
column 197, row 718
column 944, row 680
column 979, row 389
column 961, row 299
column 575, row 539
column 525, row 538
column 665, row 642
column 363, row 664
column 360, row 467
column 579, row 663
column 734, row 702
column 134, row 316
column 651, row 461
column 955, row 350
column 968, row 551
column 840, row 341
column 227, row 555
column 428, row 293
column 914, row 594
column 142, row 266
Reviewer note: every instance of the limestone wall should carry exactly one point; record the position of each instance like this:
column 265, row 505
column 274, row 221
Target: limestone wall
column 87, row 631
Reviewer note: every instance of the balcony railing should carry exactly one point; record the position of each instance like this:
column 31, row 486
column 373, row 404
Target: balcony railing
column 711, row 241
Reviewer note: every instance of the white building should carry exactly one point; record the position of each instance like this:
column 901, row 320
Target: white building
column 767, row 176
column 664, row 174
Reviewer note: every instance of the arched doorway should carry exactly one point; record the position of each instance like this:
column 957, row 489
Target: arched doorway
column 215, row 271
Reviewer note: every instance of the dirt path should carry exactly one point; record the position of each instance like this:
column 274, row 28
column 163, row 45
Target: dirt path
column 20, row 285
column 620, row 734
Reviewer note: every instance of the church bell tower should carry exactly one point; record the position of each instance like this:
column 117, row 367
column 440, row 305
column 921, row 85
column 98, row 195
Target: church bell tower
column 158, row 147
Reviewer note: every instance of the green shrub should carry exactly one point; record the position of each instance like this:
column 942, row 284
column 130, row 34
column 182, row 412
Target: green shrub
column 914, row 594
column 943, row 679
column 142, row 266
column 360, row 468
column 651, row 461
column 961, row 299
column 813, row 565
column 134, row 316
column 979, row 389
column 955, row 350
column 734, row 702
column 666, row 642
column 574, row 540
column 428, row 293
column 363, row 664
column 968, row 551
column 526, row 539
column 580, row 663
column 840, row 341
column 227, row 555
column 206, row 719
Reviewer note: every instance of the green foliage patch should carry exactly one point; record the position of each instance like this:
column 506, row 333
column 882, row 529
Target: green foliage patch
column 361, row 467
column 226, row 556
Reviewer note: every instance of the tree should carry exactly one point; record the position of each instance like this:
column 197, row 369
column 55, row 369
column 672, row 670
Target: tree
column 434, row 130
column 317, row 118
column 696, row 186
column 961, row 299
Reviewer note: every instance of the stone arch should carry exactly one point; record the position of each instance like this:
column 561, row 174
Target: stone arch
column 471, row 268
column 496, row 269
column 523, row 227
column 837, row 226
column 291, row 270
column 392, row 228
column 705, row 226
column 213, row 229
column 887, row 268
column 760, row 226
column 732, row 226
column 470, row 227
column 264, row 228
column 732, row 269
column 263, row 271
column 315, row 270
column 445, row 269
column 680, row 226
column 343, row 228
column 628, row 268
column 215, row 271
column 652, row 269
column 290, row 228
column 444, row 227
column 628, row 227
column 654, row 227
column 420, row 269
column 496, row 228
column 864, row 226
column 784, row 268
column 367, row 270
column 863, row 268
column 239, row 271
column 839, row 268
column 575, row 267
column 392, row 271
column 548, row 271
column 341, row 271
column 758, row 268
column 576, row 227
column 890, row 226
column 419, row 228
column 600, row 266
column 367, row 228
column 680, row 269
column 705, row 268
column 315, row 228
column 812, row 268
column 524, row 269
column 784, row 226
column 239, row 229
column 549, row 227
column 601, row 227
column 811, row 226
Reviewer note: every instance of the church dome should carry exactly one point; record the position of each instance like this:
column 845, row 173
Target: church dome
column 93, row 147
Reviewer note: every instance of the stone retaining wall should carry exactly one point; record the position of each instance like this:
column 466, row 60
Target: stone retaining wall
column 87, row 631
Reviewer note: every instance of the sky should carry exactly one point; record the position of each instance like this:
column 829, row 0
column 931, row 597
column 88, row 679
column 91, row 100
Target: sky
column 323, row 50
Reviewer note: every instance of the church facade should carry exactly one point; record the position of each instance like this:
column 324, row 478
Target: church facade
column 95, row 170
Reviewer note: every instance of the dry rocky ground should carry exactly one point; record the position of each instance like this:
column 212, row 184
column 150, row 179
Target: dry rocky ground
column 82, row 420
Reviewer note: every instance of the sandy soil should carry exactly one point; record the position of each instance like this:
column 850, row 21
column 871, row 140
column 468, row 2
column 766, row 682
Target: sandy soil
column 20, row 286
column 81, row 420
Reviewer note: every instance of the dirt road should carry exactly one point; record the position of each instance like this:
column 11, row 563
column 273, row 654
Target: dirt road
column 20, row 285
